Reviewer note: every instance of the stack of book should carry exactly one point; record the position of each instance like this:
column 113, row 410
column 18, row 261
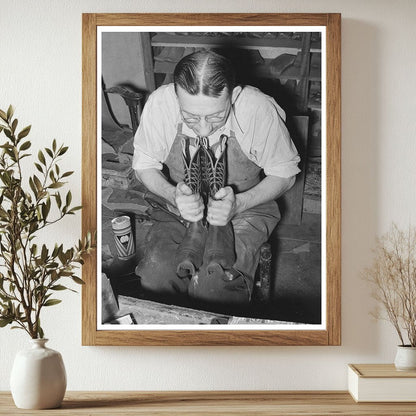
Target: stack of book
column 381, row 383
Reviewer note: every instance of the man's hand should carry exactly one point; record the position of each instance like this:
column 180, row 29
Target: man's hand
column 189, row 205
column 222, row 208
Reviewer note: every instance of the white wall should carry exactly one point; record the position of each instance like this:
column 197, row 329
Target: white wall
column 40, row 73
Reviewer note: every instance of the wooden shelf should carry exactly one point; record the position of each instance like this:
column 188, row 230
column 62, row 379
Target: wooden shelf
column 182, row 403
column 266, row 58
column 266, row 71
column 261, row 71
column 193, row 41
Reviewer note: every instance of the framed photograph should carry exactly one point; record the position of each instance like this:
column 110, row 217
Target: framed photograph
column 211, row 172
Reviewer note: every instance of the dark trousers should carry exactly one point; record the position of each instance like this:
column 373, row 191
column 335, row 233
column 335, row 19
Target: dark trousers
column 157, row 269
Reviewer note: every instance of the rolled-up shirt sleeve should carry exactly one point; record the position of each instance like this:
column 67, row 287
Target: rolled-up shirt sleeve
column 277, row 154
column 263, row 134
column 155, row 134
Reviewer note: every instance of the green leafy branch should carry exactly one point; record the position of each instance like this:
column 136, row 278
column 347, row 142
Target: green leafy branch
column 30, row 275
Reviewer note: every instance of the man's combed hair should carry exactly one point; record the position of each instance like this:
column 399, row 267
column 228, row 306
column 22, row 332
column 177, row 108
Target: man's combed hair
column 204, row 72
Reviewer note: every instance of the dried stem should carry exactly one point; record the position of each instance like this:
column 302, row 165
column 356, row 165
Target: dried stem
column 393, row 276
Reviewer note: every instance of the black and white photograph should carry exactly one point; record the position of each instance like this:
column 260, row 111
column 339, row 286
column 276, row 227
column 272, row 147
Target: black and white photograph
column 211, row 171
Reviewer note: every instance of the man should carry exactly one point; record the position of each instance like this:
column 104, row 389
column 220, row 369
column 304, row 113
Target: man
column 205, row 104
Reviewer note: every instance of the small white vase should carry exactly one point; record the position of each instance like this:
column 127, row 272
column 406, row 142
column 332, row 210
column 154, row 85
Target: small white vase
column 38, row 377
column 405, row 358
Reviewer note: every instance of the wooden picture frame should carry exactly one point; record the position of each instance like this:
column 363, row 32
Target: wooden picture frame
column 329, row 333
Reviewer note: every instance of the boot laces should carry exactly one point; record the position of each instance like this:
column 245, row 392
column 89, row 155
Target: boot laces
column 192, row 165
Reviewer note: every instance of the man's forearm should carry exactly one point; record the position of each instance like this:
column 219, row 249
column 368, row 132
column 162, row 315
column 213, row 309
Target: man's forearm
column 270, row 188
column 156, row 182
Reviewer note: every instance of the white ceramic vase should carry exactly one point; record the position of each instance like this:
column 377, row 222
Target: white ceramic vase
column 38, row 377
column 405, row 358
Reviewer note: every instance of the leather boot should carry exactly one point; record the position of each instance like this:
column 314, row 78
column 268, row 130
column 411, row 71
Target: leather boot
column 219, row 247
column 190, row 251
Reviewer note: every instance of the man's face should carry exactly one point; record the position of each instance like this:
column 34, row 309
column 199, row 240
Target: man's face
column 203, row 114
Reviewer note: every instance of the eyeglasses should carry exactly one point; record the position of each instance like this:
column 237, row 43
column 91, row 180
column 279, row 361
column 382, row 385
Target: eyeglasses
column 216, row 118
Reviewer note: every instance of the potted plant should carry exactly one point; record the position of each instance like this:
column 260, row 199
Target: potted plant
column 393, row 276
column 31, row 273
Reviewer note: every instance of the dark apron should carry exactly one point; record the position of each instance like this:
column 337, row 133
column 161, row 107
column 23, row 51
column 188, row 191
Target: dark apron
column 242, row 173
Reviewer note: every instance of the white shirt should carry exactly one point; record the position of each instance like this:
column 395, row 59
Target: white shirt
column 255, row 118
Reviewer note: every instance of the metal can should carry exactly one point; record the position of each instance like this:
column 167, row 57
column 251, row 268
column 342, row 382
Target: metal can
column 123, row 237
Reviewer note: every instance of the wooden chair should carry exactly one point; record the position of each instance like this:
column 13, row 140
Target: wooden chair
column 118, row 138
